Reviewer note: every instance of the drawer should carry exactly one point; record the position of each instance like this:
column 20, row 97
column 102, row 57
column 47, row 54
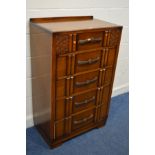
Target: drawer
column 111, row 56
column 61, row 69
column 61, row 88
column 107, row 76
column 115, row 35
column 87, row 61
column 79, row 102
column 82, row 82
column 85, row 81
column 89, row 40
column 84, row 101
column 83, row 119
column 62, row 43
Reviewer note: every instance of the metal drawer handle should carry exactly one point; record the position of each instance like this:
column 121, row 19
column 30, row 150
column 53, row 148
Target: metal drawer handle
column 85, row 101
column 87, row 82
column 89, row 61
column 83, row 120
column 89, row 40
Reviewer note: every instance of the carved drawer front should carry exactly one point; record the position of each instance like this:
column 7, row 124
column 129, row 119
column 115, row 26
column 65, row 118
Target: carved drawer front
column 84, row 101
column 63, row 43
column 89, row 40
column 83, row 119
column 85, row 81
column 87, row 61
column 115, row 35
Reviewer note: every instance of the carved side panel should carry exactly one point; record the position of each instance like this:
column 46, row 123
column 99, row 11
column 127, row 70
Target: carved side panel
column 62, row 44
column 115, row 35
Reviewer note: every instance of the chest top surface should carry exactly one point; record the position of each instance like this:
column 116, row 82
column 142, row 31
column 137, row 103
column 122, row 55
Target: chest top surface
column 65, row 24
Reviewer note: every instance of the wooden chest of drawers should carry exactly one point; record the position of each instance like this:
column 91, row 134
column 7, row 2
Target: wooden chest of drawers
column 73, row 66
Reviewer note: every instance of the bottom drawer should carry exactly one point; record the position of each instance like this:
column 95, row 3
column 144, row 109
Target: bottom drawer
column 70, row 125
column 83, row 119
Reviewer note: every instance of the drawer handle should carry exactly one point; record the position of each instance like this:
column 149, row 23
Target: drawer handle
column 87, row 82
column 89, row 40
column 89, row 61
column 83, row 120
column 85, row 101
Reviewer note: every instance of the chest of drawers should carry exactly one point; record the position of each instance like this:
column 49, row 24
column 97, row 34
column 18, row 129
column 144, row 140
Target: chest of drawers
column 73, row 66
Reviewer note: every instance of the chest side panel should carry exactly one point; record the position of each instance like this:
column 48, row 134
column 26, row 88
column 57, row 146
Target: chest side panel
column 41, row 47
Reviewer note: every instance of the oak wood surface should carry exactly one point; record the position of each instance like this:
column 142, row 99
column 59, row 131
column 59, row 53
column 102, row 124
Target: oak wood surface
column 74, row 24
column 41, row 46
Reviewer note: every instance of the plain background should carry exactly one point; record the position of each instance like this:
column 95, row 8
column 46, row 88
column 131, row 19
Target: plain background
column 115, row 11
column 13, row 77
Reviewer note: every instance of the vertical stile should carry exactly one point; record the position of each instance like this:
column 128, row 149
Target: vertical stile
column 105, row 38
column 70, row 85
column 74, row 42
column 73, row 64
column 104, row 65
column 70, row 112
column 101, row 100
column 70, row 42
column 97, row 103
column 54, row 136
column 100, row 77
column 68, row 64
column 67, row 86
column 102, row 58
column 72, row 74
column 108, row 38
column 106, row 56
column 66, row 115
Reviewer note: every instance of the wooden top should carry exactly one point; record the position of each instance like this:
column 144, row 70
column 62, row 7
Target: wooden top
column 73, row 23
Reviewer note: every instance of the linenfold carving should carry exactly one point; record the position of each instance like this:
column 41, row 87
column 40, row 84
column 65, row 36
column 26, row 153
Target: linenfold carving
column 114, row 37
column 62, row 44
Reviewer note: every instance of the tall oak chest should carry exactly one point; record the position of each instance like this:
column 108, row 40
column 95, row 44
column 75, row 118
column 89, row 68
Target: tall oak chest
column 73, row 65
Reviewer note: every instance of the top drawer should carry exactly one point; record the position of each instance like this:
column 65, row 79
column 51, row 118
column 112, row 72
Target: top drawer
column 67, row 43
column 89, row 40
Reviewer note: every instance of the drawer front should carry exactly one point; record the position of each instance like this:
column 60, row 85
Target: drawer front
column 83, row 119
column 90, row 40
column 60, row 109
column 66, row 106
column 63, row 44
column 110, row 57
column 87, row 61
column 61, row 88
column 79, row 83
column 115, row 35
column 84, row 101
column 61, row 68
column 85, row 81
column 65, row 127
column 107, row 76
